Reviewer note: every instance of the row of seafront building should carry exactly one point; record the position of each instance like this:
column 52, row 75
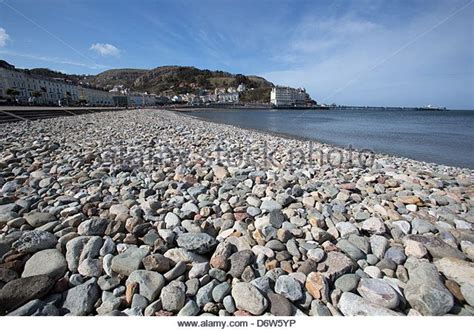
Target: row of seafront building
column 25, row 88
column 28, row 89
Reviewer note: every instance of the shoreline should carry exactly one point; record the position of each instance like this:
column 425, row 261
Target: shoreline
column 152, row 213
column 305, row 139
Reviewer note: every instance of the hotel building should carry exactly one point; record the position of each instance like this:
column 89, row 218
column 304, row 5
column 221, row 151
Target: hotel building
column 282, row 96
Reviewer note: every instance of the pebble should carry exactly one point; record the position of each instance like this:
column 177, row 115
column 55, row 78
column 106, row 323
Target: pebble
column 157, row 262
column 317, row 286
column 460, row 271
column 316, row 254
column 229, row 304
column 378, row 292
column 319, row 309
column 248, row 298
column 373, row 271
column 373, row 225
column 239, row 261
column 147, row 229
column 378, row 245
column 337, row 265
column 33, row 241
column 129, row 261
column 346, row 229
column 80, row 300
column 280, row 305
column 415, row 248
column 198, row 270
column 172, row 298
column 467, row 291
column 46, row 262
column 90, row 268
column 189, row 309
column 289, row 287
column 20, row 291
column 396, row 254
column 220, row 292
column 204, row 294
column 201, row 243
column 351, row 304
column 149, row 283
column 347, row 282
column 424, row 290
column 37, row 219
column 176, row 271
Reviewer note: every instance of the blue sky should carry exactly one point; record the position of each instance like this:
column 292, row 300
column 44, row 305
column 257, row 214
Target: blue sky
column 364, row 52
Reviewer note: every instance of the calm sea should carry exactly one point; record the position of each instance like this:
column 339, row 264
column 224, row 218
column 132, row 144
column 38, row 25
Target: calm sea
column 445, row 137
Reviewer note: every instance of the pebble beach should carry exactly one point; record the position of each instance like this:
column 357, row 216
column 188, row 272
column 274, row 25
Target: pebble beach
column 154, row 213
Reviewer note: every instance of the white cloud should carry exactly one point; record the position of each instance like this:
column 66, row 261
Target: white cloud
column 105, row 49
column 3, row 37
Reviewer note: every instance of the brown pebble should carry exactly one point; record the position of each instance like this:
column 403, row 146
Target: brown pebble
column 455, row 289
column 131, row 289
column 272, row 264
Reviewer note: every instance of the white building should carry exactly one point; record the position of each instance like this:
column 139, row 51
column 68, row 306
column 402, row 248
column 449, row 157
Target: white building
column 177, row 98
column 141, row 100
column 208, row 98
column 30, row 88
column 95, row 97
column 33, row 89
column 228, row 97
column 282, row 96
column 241, row 87
column 119, row 89
column 220, row 90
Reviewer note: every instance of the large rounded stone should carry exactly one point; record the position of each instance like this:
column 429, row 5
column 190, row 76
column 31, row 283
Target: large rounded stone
column 378, row 292
column 37, row 219
column 279, row 305
column 424, row 291
column 129, row 261
column 172, row 298
column 80, row 300
column 47, row 262
column 351, row 304
column 22, row 290
column 248, row 298
column 200, row 243
column 33, row 241
column 149, row 283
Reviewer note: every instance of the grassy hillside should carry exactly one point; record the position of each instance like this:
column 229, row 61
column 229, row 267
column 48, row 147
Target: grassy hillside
column 172, row 80
column 109, row 78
